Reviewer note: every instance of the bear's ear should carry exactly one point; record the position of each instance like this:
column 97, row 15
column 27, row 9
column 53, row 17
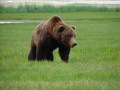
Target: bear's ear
column 61, row 28
column 73, row 27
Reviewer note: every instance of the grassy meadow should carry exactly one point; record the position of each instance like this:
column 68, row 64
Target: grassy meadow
column 94, row 64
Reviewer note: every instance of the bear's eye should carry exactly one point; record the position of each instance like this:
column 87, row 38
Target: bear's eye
column 70, row 36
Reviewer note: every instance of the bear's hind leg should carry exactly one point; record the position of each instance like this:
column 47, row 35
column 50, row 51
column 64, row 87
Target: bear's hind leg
column 32, row 54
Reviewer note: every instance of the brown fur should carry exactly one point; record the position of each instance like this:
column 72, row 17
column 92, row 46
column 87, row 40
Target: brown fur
column 48, row 36
column 45, row 26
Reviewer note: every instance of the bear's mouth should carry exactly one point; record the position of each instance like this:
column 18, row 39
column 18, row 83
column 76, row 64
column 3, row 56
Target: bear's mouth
column 72, row 42
column 74, row 45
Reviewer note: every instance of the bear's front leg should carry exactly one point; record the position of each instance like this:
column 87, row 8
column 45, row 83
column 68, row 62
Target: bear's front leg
column 49, row 56
column 41, row 54
column 64, row 53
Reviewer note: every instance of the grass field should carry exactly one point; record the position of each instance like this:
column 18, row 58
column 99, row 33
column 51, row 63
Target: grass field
column 94, row 64
column 66, row 16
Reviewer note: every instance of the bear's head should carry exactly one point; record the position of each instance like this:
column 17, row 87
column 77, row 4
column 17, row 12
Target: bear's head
column 65, row 35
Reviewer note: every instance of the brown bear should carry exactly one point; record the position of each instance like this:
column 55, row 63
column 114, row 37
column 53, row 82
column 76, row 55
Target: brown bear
column 48, row 36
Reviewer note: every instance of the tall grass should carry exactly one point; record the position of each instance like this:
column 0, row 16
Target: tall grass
column 50, row 8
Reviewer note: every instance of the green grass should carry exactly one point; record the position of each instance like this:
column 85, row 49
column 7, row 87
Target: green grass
column 50, row 8
column 93, row 64
column 66, row 16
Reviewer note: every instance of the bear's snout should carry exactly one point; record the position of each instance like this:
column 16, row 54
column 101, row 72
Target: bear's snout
column 73, row 42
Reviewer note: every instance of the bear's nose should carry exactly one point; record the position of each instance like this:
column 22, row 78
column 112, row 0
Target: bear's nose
column 74, row 45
